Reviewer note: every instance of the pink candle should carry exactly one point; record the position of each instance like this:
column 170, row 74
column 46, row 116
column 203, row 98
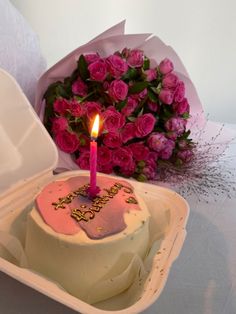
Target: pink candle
column 93, row 165
column 93, row 189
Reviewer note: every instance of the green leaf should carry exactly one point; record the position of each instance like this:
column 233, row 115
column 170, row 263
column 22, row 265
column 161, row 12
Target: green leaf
column 132, row 119
column 159, row 87
column 140, row 112
column 121, row 105
column 152, row 96
column 142, row 178
column 61, row 92
column 141, row 164
column 51, row 89
column 131, row 74
column 167, row 111
column 186, row 134
column 83, row 68
column 154, row 89
column 186, row 115
column 146, row 64
column 138, row 87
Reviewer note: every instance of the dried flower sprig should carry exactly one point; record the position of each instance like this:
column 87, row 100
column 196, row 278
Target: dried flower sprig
column 210, row 173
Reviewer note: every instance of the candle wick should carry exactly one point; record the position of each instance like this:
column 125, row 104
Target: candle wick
column 93, row 139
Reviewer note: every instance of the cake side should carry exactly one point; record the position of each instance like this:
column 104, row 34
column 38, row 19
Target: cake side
column 77, row 262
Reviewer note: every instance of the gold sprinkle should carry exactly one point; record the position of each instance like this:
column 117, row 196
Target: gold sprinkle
column 131, row 200
column 129, row 191
column 118, row 185
column 83, row 206
column 99, row 228
column 114, row 190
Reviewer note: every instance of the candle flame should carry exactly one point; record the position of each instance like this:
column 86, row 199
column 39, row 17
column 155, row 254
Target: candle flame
column 95, row 128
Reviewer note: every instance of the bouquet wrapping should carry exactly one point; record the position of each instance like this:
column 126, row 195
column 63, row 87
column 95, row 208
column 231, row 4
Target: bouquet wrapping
column 139, row 86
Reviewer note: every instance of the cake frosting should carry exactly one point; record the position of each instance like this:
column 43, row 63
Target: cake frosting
column 79, row 242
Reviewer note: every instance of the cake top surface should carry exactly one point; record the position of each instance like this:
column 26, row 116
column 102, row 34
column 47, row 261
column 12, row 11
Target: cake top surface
column 66, row 208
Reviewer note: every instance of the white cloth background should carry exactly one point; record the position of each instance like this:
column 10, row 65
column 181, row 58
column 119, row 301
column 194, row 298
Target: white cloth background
column 20, row 53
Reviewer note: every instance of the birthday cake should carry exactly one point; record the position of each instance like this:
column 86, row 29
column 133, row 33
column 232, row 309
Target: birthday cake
column 80, row 242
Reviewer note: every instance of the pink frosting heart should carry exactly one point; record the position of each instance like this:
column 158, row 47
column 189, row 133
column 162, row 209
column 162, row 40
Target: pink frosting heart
column 109, row 220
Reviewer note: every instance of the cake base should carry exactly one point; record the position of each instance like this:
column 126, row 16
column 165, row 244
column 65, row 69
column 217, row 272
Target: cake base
column 78, row 263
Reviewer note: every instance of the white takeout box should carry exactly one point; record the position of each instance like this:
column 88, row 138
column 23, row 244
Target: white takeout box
column 28, row 157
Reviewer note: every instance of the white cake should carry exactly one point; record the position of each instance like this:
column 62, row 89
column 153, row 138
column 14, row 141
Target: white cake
column 78, row 262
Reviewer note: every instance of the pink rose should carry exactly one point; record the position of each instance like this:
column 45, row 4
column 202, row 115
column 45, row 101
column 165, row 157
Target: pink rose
column 61, row 105
column 112, row 140
column 170, row 80
column 140, row 95
column 149, row 172
column 153, row 106
column 168, row 150
column 144, row 124
column 179, row 92
column 91, row 57
column 157, row 141
column 181, row 107
column 176, row 125
column 128, row 170
column 68, row 142
column 151, row 74
column 59, row 124
column 79, row 88
column 118, row 90
column 84, row 160
column 122, row 157
column 84, row 143
column 106, row 168
column 98, row 70
column 104, row 155
column 128, row 132
column 113, row 119
column 152, row 158
column 75, row 108
column 92, row 108
column 139, row 150
column 172, row 135
column 166, row 66
column 166, row 96
column 185, row 155
column 105, row 86
column 116, row 66
column 135, row 58
column 129, row 107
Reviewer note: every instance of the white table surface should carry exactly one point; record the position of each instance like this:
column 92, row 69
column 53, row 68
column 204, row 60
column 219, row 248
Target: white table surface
column 201, row 281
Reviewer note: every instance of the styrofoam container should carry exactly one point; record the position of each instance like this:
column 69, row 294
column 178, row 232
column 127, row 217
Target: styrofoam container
column 28, row 157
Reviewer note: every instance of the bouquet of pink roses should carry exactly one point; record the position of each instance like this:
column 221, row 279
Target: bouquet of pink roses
column 143, row 110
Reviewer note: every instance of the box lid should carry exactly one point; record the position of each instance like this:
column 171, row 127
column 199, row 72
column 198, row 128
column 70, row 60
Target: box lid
column 27, row 150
